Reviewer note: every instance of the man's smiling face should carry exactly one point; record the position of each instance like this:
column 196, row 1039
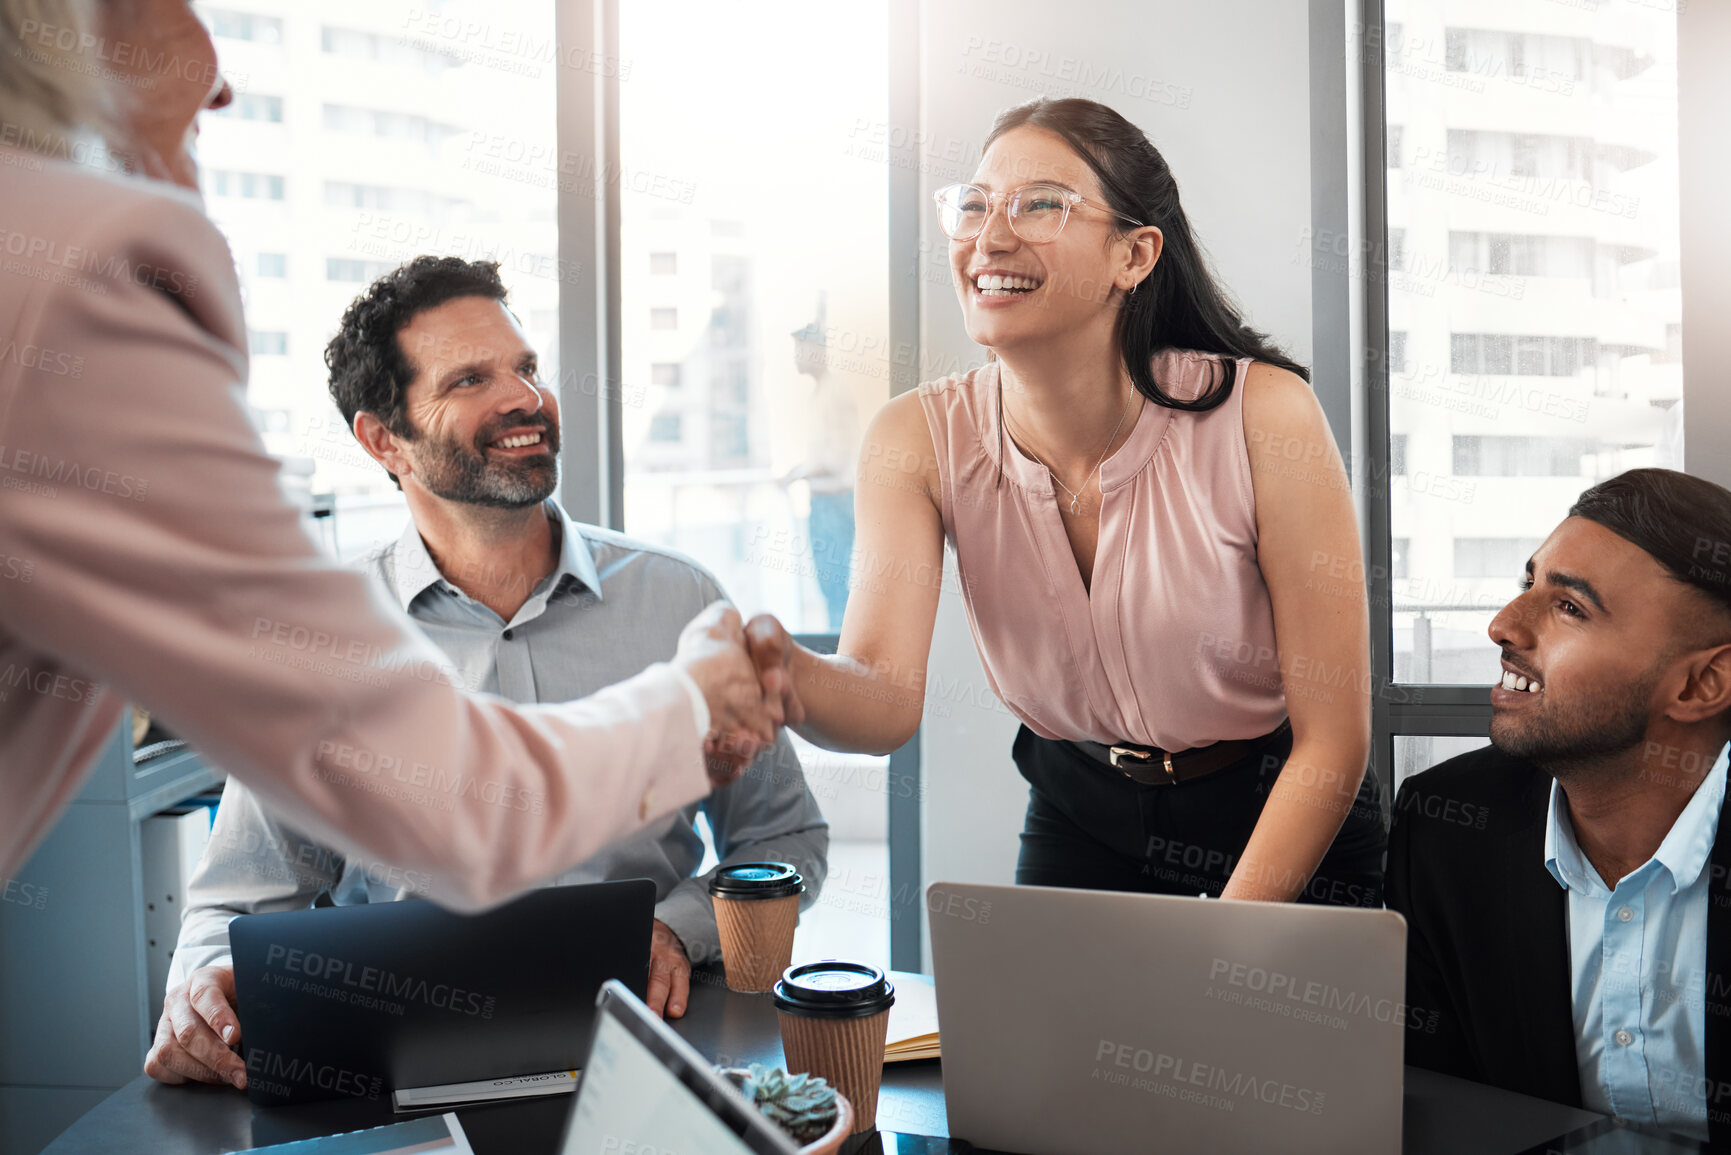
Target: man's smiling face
column 486, row 427
column 1586, row 646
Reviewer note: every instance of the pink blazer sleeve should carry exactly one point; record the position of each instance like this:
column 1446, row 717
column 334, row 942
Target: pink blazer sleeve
column 168, row 567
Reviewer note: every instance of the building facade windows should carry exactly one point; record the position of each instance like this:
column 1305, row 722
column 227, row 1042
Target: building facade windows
column 252, row 26
column 267, row 342
column 1520, row 356
column 253, row 106
column 246, row 185
column 1477, row 455
column 1493, row 557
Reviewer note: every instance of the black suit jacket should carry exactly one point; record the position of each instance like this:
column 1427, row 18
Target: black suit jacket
column 1487, row 978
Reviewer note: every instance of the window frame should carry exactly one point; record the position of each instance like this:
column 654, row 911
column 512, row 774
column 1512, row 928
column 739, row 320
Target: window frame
column 591, row 384
column 1397, row 708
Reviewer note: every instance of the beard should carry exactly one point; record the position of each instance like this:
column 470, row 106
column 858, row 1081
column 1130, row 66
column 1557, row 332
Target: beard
column 463, row 473
column 1570, row 737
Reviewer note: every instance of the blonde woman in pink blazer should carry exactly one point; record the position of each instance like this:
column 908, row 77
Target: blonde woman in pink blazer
column 147, row 554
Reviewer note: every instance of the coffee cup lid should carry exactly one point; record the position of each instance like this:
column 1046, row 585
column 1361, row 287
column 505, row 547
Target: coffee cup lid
column 834, row 989
column 757, row 880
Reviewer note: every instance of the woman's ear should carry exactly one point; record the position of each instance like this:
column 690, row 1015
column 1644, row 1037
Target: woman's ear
column 1146, row 244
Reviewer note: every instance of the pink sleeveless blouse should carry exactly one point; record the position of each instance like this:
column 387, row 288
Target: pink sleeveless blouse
column 1174, row 647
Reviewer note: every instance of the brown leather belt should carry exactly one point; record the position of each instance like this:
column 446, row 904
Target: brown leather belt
column 1152, row 766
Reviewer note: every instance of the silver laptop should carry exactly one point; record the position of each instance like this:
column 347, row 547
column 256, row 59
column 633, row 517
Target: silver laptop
column 1086, row 1022
column 646, row 1091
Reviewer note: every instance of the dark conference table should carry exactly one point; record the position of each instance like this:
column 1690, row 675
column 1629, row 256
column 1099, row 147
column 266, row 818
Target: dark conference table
column 1443, row 1116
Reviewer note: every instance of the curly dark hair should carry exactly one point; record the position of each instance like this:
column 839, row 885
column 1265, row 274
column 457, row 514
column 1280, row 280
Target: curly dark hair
column 369, row 371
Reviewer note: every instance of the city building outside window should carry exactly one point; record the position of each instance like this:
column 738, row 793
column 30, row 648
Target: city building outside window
column 1533, row 308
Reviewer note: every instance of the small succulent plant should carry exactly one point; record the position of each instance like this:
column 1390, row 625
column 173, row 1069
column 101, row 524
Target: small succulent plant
column 802, row 1105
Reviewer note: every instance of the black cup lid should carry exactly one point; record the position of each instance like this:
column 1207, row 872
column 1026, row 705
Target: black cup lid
column 757, row 880
column 834, row 989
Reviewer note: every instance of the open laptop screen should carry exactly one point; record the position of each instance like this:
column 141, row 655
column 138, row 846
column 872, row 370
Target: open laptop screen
column 645, row 1092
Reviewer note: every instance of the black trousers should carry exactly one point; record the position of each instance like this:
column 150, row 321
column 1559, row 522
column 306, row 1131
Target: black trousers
column 1090, row 827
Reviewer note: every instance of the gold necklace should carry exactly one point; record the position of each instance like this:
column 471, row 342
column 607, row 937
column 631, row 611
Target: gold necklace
column 1075, row 495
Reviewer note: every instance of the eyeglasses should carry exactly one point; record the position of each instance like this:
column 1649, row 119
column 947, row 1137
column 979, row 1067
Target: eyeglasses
column 1037, row 212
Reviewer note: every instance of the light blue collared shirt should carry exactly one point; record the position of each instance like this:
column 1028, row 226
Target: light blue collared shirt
column 1638, row 967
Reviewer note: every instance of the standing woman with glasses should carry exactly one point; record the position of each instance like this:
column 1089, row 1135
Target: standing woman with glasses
column 1155, row 536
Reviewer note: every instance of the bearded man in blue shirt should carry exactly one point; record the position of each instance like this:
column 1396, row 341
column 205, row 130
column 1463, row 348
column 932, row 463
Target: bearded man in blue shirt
column 437, row 381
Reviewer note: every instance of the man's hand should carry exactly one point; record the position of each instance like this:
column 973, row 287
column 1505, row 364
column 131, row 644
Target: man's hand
column 772, row 649
column 669, row 972
column 742, row 718
column 196, row 1031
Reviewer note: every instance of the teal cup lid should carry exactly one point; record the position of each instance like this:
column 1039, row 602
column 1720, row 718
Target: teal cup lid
column 756, row 880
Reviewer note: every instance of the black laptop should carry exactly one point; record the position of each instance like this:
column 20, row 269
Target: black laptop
column 358, row 1001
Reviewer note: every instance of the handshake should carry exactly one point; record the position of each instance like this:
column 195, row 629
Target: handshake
column 745, row 671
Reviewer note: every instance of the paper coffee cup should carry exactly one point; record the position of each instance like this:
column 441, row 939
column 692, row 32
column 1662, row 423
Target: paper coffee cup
column 756, row 911
column 835, row 1016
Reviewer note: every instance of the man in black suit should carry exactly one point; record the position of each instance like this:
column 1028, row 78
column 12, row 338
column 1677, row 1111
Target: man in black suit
column 1567, row 889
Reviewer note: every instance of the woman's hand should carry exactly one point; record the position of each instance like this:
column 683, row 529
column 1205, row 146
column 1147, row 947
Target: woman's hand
column 772, row 651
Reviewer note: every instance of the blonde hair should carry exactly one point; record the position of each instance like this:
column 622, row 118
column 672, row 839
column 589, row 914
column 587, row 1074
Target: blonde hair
column 50, row 97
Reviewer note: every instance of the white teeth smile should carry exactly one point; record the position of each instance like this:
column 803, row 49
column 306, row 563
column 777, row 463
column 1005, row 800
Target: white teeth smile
column 993, row 285
column 519, row 441
column 1514, row 681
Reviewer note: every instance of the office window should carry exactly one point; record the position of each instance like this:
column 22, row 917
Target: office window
column 1533, row 152
column 388, row 124
column 267, row 343
column 1555, row 62
column 543, row 321
column 1522, row 255
column 748, row 271
column 1521, row 356
column 1397, row 250
column 245, row 185
column 1494, row 557
column 1414, row 753
column 1673, row 353
column 253, row 106
column 412, row 50
column 1397, row 455
column 375, row 206
column 666, row 427
column 1478, row 455
column 1490, row 154
column 355, row 271
column 1397, row 569
column 1396, row 139
column 243, row 25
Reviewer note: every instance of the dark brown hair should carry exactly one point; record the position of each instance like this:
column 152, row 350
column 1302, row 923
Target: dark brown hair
column 369, row 371
column 1180, row 305
column 1683, row 521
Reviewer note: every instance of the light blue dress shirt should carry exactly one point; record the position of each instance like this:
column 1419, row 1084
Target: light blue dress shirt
column 1638, row 967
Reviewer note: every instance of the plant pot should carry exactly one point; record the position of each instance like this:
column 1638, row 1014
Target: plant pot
column 830, row 1141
